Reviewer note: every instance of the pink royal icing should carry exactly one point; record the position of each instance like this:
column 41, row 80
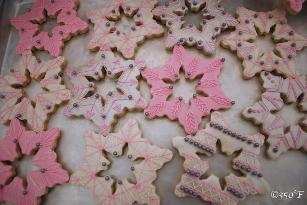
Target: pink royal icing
column 48, row 173
column 189, row 116
column 68, row 23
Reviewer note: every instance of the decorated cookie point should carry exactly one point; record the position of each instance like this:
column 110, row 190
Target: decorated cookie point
column 189, row 116
column 125, row 192
column 31, row 37
column 48, row 174
column 16, row 104
column 205, row 141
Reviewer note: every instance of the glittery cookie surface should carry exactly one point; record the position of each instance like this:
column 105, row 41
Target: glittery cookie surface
column 102, row 110
column 46, row 172
column 203, row 36
column 15, row 103
column 101, row 185
column 274, row 125
column 204, row 142
column 126, row 40
column 30, row 34
column 255, row 60
column 189, row 114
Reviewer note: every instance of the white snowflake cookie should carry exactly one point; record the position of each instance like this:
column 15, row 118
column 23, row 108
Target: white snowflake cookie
column 14, row 102
column 202, row 36
column 106, row 188
column 274, row 125
column 204, row 142
column 102, row 110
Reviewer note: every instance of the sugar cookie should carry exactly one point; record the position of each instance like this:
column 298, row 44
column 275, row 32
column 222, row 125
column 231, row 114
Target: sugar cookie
column 46, row 171
column 202, row 36
column 68, row 24
column 127, row 40
column 125, row 192
column 273, row 124
column 102, row 110
column 204, row 142
column 294, row 6
column 242, row 40
column 14, row 101
column 189, row 115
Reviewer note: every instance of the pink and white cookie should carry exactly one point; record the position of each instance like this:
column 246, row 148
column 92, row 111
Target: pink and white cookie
column 273, row 125
column 204, row 142
column 294, row 6
column 46, row 171
column 15, row 102
column 33, row 37
column 108, row 189
column 189, row 114
column 252, row 24
column 102, row 110
column 202, row 36
column 125, row 39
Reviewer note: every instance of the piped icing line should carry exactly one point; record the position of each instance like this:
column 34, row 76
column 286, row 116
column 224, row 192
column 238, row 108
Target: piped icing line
column 15, row 103
column 273, row 125
column 254, row 60
column 209, row 189
column 87, row 101
column 202, row 36
column 106, row 32
column 142, row 190
column 47, row 173
column 189, row 116
column 68, row 24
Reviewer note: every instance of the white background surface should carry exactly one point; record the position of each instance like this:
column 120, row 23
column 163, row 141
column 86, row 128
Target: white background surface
column 286, row 173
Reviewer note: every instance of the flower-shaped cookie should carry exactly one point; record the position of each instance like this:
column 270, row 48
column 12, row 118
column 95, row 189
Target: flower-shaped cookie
column 46, row 171
column 274, row 125
column 204, row 142
column 202, row 36
column 189, row 115
column 92, row 172
column 103, row 109
column 68, row 24
column 15, row 103
column 242, row 40
column 294, row 6
column 124, row 40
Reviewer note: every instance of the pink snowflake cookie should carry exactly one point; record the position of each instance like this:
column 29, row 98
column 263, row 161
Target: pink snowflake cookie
column 189, row 115
column 255, row 60
column 125, row 40
column 204, row 142
column 294, row 6
column 15, row 103
column 102, row 110
column 46, row 172
column 274, row 125
column 30, row 34
column 110, row 191
column 202, row 36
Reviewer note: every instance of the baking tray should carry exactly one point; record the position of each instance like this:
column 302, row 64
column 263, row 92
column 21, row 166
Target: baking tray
column 287, row 173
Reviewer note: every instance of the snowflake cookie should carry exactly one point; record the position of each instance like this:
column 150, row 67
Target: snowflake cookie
column 202, row 36
column 204, row 142
column 15, row 102
column 46, row 171
column 102, row 110
column 255, row 60
column 30, row 34
column 189, row 114
column 125, row 40
column 294, row 6
column 106, row 188
column 274, row 125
